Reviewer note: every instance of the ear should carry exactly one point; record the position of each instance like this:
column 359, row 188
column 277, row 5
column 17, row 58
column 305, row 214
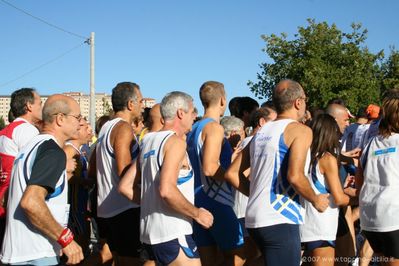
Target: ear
column 262, row 121
column 28, row 107
column 297, row 103
column 180, row 113
column 130, row 105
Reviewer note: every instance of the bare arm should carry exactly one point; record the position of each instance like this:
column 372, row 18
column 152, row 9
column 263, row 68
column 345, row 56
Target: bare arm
column 122, row 137
column 329, row 167
column 71, row 162
column 213, row 136
column 129, row 184
column 235, row 174
column 175, row 152
column 299, row 139
column 35, row 208
column 359, row 179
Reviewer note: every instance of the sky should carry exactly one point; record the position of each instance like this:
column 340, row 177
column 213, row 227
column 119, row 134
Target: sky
column 164, row 45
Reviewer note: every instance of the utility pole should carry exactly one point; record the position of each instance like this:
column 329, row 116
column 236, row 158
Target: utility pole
column 92, row 112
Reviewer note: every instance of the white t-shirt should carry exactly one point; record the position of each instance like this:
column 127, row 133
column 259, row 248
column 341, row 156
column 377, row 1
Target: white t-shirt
column 378, row 199
column 272, row 199
column 319, row 225
column 109, row 201
column 158, row 221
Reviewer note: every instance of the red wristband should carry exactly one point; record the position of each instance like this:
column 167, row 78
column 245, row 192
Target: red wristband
column 65, row 238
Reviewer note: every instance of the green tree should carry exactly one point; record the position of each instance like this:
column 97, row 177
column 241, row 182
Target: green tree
column 2, row 123
column 390, row 71
column 327, row 62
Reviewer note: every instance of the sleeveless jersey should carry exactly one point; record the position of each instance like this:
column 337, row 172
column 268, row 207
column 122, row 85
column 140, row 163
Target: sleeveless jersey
column 22, row 242
column 272, row 199
column 12, row 139
column 159, row 222
column 206, row 187
column 109, row 201
column 378, row 199
column 319, row 226
column 240, row 200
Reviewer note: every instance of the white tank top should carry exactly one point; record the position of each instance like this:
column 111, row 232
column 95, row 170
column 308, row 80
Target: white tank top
column 21, row 243
column 272, row 199
column 240, row 200
column 378, row 199
column 319, row 226
column 109, row 201
column 159, row 222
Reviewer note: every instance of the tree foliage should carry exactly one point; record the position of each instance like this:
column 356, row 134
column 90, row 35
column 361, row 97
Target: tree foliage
column 327, row 62
column 390, row 71
column 2, row 123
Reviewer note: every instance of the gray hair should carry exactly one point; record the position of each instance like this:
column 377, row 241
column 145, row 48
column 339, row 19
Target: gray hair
column 174, row 101
column 285, row 93
column 231, row 123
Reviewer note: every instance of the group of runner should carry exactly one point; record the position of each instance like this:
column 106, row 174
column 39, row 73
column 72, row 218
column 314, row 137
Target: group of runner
column 268, row 185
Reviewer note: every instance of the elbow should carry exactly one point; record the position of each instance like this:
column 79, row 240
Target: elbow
column 293, row 179
column 164, row 192
column 27, row 205
column 210, row 170
column 341, row 201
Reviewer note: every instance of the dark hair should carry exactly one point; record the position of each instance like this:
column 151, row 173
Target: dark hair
column 122, row 94
column 233, row 106
column 246, row 104
column 285, row 93
column 19, row 99
column 11, row 116
column 361, row 113
column 146, row 116
column 390, row 113
column 100, row 122
column 269, row 104
column 262, row 112
column 339, row 101
column 325, row 137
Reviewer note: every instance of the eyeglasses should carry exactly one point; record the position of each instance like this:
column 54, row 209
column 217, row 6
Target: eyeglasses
column 77, row 117
column 304, row 98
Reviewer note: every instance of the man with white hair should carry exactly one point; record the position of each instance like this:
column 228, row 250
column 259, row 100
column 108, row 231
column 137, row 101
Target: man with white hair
column 167, row 187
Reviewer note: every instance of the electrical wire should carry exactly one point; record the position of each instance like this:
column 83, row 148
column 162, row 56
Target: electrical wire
column 42, row 65
column 43, row 21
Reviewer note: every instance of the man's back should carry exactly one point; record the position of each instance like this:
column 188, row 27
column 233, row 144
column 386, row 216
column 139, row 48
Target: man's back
column 272, row 199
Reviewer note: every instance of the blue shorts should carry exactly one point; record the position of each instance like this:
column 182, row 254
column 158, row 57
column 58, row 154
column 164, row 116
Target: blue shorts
column 245, row 231
column 309, row 246
column 165, row 253
column 280, row 244
column 226, row 231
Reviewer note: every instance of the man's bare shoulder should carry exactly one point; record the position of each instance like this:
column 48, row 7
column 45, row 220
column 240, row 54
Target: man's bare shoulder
column 213, row 128
column 298, row 129
column 175, row 142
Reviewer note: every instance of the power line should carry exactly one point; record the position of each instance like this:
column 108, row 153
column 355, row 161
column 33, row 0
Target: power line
column 43, row 21
column 42, row 65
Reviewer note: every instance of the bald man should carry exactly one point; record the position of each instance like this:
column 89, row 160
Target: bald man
column 341, row 115
column 278, row 156
column 36, row 232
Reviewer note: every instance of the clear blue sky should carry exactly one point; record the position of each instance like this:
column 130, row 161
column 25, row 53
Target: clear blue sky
column 166, row 45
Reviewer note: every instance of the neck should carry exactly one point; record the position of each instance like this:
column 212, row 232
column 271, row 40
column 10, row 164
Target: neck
column 174, row 126
column 28, row 118
column 60, row 138
column 289, row 114
column 212, row 113
column 125, row 115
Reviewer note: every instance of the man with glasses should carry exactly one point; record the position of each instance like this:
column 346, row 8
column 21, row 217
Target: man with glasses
column 116, row 148
column 278, row 156
column 36, row 226
column 26, row 106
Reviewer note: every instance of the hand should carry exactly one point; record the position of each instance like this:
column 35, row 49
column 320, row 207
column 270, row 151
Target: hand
column 71, row 165
column 74, row 253
column 321, row 203
column 236, row 152
column 349, row 181
column 204, row 218
column 355, row 153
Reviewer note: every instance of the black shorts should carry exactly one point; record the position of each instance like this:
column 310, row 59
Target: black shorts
column 122, row 233
column 386, row 243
